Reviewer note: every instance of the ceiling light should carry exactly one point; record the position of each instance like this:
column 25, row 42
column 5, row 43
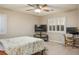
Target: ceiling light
column 37, row 10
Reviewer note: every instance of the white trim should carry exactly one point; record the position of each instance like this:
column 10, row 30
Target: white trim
column 57, row 41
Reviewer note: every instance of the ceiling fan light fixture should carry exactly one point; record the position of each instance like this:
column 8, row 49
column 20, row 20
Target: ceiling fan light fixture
column 37, row 10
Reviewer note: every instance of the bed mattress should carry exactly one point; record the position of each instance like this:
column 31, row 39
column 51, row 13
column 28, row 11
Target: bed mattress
column 21, row 45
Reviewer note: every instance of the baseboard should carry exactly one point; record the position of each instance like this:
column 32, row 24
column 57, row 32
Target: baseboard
column 58, row 42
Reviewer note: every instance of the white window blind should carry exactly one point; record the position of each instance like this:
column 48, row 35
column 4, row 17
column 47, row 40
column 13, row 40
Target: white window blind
column 3, row 24
column 57, row 24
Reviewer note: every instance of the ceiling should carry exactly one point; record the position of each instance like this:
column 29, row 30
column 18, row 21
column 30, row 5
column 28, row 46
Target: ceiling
column 24, row 7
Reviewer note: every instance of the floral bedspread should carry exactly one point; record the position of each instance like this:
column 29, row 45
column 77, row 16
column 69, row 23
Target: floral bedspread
column 22, row 45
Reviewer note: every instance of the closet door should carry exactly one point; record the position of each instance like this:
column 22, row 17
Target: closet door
column 57, row 27
column 3, row 24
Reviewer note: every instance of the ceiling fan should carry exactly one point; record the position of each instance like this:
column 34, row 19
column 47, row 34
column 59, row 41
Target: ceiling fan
column 39, row 7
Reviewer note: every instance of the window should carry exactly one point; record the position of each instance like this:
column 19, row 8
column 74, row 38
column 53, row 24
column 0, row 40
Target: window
column 53, row 27
column 3, row 24
column 58, row 27
column 57, row 24
column 50, row 28
column 62, row 27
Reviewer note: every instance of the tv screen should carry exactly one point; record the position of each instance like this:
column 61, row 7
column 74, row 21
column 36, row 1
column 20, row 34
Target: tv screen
column 41, row 28
column 71, row 30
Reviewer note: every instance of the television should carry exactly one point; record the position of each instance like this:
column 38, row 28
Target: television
column 71, row 30
column 41, row 28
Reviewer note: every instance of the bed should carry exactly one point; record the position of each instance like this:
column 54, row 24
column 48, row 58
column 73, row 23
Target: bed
column 22, row 45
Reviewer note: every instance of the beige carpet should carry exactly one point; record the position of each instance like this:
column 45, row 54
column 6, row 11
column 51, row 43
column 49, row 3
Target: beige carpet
column 59, row 49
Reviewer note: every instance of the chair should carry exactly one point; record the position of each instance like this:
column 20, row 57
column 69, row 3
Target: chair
column 69, row 40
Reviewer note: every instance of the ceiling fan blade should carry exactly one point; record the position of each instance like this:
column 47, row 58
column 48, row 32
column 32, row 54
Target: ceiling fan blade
column 45, row 5
column 30, row 5
column 29, row 9
column 47, row 10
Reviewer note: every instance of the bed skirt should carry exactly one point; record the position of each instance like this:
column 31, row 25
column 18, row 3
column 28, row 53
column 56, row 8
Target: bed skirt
column 37, row 53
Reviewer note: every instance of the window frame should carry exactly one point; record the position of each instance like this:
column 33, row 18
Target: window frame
column 3, row 18
column 57, row 21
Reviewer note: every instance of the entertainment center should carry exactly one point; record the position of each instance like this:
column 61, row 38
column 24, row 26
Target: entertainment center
column 41, row 32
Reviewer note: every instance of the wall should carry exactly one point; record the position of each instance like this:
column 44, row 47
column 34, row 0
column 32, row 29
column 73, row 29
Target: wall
column 71, row 20
column 19, row 24
column 78, row 17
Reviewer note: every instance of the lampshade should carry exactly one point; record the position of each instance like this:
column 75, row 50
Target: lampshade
column 37, row 10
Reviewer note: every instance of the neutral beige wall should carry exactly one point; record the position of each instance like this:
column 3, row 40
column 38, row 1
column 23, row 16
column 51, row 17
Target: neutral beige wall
column 78, row 17
column 19, row 24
